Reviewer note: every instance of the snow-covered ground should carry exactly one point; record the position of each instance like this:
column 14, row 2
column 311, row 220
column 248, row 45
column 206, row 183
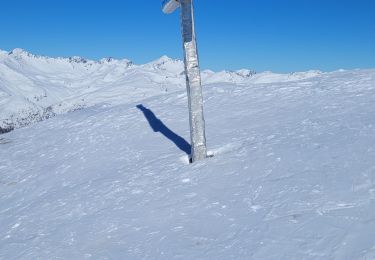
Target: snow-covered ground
column 293, row 176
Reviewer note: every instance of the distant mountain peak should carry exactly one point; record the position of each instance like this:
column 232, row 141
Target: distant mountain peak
column 165, row 63
column 18, row 52
column 110, row 60
column 107, row 60
column 164, row 59
column 77, row 59
column 246, row 73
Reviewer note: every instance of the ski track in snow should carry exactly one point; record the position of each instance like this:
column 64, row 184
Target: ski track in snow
column 292, row 177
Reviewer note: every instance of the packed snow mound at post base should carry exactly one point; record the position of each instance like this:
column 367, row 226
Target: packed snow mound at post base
column 293, row 176
column 34, row 88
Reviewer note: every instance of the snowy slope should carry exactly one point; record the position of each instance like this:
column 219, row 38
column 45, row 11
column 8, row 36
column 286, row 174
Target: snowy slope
column 33, row 88
column 293, row 176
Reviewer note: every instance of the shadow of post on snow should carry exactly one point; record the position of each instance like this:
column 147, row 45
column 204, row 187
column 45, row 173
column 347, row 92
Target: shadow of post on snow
column 158, row 126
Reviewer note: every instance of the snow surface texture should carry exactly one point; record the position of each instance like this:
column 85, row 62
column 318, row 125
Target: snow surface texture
column 293, row 176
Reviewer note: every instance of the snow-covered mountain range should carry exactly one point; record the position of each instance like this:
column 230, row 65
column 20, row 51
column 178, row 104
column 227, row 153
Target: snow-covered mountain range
column 33, row 88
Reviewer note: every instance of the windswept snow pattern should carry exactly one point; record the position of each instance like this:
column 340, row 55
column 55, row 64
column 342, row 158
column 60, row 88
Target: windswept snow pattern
column 292, row 177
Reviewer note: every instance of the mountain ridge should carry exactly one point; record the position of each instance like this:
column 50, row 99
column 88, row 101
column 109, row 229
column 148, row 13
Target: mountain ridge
column 35, row 87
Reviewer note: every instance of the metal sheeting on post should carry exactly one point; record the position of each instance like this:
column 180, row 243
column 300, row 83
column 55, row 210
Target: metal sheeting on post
column 193, row 82
column 169, row 6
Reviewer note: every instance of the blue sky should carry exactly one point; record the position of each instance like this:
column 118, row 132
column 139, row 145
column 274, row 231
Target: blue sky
column 282, row 36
